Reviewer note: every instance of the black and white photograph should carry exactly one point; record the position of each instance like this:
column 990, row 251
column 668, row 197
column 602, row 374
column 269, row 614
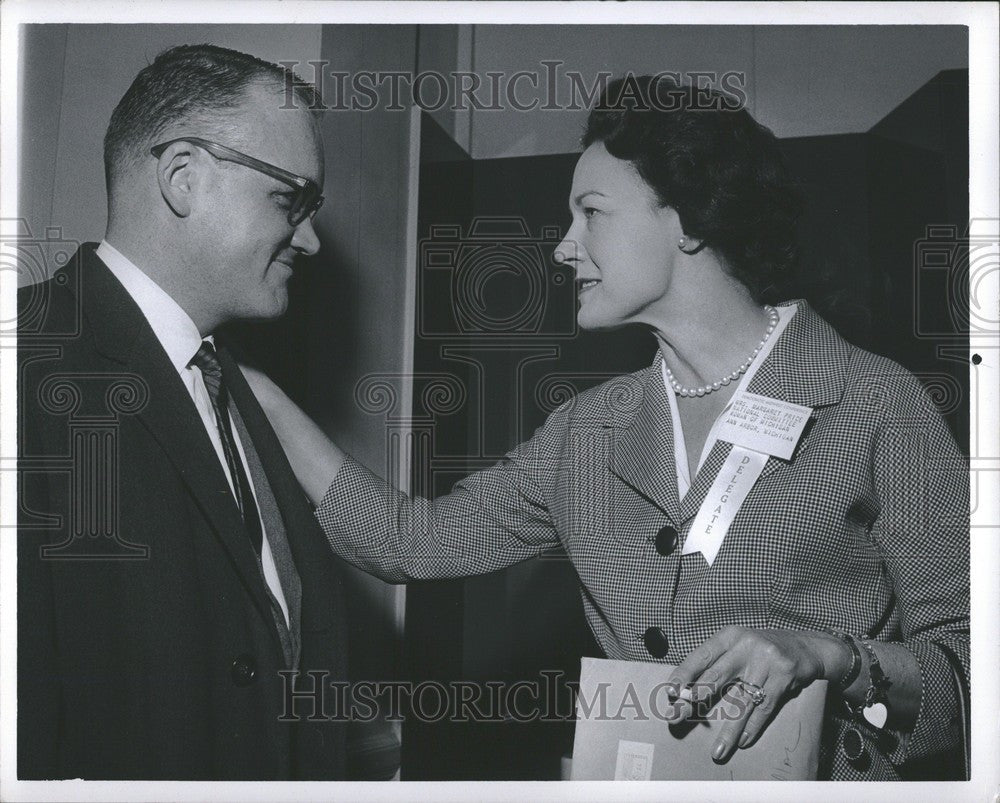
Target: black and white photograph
column 458, row 400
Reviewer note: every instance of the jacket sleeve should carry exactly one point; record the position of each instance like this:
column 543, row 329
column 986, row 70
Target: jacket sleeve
column 922, row 481
column 492, row 519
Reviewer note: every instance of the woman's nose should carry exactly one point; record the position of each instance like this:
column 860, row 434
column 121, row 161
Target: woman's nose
column 568, row 251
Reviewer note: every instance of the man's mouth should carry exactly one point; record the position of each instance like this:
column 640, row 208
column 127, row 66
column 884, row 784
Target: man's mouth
column 583, row 285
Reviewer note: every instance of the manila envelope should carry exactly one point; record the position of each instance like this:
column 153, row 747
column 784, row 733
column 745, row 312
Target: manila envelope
column 622, row 732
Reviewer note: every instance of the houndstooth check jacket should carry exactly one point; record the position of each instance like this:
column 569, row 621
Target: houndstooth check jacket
column 865, row 529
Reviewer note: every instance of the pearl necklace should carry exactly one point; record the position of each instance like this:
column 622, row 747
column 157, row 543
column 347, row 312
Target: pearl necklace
column 680, row 390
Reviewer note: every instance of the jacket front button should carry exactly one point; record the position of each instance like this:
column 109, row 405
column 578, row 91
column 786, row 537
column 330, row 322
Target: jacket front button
column 656, row 642
column 666, row 540
column 244, row 670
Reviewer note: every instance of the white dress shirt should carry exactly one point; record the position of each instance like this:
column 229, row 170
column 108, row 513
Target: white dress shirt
column 181, row 340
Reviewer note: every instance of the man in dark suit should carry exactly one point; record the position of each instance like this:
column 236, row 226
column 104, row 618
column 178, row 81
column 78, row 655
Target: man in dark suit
column 169, row 566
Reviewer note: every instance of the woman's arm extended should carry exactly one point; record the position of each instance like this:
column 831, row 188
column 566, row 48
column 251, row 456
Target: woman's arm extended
column 314, row 458
column 492, row 519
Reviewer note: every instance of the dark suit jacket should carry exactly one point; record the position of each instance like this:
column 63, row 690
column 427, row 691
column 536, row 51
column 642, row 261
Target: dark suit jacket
column 146, row 645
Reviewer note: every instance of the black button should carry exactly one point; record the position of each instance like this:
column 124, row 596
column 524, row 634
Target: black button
column 666, row 540
column 244, row 670
column 656, row 642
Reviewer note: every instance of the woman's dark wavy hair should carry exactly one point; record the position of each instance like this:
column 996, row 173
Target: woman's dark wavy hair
column 708, row 159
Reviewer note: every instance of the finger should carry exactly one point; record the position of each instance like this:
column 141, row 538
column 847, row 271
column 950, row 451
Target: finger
column 762, row 714
column 681, row 708
column 709, row 685
column 701, row 658
column 736, row 711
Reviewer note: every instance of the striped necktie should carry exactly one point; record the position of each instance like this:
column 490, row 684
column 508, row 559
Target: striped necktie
column 211, row 371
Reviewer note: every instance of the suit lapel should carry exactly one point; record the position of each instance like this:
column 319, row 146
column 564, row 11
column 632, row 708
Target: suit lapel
column 644, row 452
column 310, row 551
column 703, row 480
column 122, row 334
column 807, row 366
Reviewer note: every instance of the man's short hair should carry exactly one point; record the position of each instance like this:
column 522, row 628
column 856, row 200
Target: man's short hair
column 200, row 86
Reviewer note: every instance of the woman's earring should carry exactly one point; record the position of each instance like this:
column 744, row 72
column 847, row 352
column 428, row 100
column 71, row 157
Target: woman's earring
column 689, row 246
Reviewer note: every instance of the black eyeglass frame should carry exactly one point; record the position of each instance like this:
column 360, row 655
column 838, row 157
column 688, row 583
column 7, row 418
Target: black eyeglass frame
column 307, row 200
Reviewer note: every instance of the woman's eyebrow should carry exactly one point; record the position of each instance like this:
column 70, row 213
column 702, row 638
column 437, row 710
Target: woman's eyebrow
column 583, row 195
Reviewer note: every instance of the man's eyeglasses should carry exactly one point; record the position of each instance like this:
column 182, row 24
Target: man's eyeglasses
column 307, row 200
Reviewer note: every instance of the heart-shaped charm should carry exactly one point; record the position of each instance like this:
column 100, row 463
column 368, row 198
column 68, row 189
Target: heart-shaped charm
column 876, row 714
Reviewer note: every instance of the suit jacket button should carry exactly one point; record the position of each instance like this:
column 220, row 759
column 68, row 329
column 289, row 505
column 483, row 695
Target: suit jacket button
column 666, row 540
column 244, row 670
column 656, row 642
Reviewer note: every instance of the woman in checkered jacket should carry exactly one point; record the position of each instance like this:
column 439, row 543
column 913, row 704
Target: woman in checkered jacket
column 765, row 506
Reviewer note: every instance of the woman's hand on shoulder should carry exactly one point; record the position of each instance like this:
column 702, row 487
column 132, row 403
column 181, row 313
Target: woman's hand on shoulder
column 760, row 667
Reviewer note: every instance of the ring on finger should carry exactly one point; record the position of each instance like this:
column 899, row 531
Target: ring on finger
column 756, row 694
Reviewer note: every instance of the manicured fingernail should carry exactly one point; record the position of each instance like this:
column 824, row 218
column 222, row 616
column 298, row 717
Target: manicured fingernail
column 744, row 738
column 719, row 751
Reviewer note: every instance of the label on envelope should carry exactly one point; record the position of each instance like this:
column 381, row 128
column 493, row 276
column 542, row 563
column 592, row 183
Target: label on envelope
column 634, row 762
column 763, row 424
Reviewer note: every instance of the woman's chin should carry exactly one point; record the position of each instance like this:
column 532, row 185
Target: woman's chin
column 592, row 321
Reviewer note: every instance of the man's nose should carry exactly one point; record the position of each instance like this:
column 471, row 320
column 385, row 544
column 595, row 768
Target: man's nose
column 304, row 239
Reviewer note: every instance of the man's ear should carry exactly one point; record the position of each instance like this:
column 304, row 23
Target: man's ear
column 177, row 176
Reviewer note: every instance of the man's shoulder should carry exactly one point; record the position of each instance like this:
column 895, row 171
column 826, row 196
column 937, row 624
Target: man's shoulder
column 57, row 348
column 50, row 308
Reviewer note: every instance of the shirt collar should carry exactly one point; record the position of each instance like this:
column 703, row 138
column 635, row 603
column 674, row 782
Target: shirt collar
column 172, row 326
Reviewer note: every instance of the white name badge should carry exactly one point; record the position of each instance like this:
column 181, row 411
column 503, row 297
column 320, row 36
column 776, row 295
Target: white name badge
column 732, row 484
column 763, row 424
